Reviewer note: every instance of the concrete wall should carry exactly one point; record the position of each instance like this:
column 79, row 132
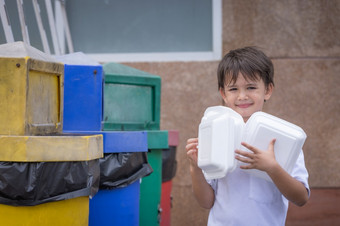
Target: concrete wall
column 303, row 39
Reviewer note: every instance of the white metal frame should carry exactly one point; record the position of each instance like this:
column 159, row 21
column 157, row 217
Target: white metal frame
column 216, row 54
column 52, row 27
column 5, row 22
column 63, row 30
column 59, row 25
column 43, row 36
column 56, row 38
column 24, row 30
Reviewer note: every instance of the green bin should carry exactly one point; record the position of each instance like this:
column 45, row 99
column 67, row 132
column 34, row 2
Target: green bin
column 131, row 99
column 151, row 186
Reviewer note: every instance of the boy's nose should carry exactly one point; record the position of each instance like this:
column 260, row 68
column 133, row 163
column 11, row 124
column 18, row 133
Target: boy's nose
column 242, row 95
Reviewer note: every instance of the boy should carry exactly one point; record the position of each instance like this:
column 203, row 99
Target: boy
column 245, row 82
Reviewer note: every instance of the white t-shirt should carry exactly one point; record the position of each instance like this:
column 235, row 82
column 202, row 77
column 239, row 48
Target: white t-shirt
column 244, row 199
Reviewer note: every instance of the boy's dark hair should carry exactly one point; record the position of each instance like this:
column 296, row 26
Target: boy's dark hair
column 250, row 61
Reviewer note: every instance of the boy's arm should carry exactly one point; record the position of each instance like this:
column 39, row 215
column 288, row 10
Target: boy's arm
column 203, row 192
column 291, row 188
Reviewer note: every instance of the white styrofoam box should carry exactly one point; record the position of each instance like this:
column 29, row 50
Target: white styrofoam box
column 221, row 131
column 261, row 128
column 216, row 143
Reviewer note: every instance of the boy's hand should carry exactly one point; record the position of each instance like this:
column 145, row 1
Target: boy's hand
column 192, row 151
column 257, row 159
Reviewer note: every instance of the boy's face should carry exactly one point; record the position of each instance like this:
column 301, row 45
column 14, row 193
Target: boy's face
column 246, row 97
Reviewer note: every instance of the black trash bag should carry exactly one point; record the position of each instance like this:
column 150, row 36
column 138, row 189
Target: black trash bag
column 169, row 163
column 33, row 183
column 122, row 169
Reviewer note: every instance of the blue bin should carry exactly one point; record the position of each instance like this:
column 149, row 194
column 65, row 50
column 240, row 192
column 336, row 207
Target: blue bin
column 83, row 93
column 117, row 201
column 118, row 206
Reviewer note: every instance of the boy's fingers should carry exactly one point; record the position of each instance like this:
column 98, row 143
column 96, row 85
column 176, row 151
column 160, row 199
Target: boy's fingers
column 245, row 167
column 244, row 159
column 251, row 148
column 245, row 153
column 272, row 143
column 191, row 146
column 192, row 140
column 190, row 152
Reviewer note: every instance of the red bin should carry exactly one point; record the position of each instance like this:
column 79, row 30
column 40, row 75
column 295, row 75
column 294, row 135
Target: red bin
column 169, row 165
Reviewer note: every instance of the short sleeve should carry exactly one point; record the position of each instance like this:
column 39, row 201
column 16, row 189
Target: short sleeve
column 213, row 184
column 300, row 172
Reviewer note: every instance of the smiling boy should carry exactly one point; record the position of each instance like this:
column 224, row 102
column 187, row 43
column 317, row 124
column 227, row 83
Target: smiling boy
column 245, row 82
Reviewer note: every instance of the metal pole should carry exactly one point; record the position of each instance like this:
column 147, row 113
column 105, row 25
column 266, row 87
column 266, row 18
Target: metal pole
column 59, row 26
column 52, row 27
column 40, row 26
column 24, row 30
column 67, row 29
column 5, row 22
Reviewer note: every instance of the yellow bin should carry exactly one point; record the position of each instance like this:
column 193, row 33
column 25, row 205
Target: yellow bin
column 31, row 91
column 70, row 212
column 28, row 149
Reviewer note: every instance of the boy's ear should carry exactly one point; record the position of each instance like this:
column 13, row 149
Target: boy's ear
column 222, row 94
column 269, row 91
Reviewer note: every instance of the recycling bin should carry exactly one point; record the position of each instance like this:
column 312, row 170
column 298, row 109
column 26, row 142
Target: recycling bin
column 125, row 159
column 31, row 91
column 166, row 203
column 169, row 167
column 123, row 165
column 47, row 180
column 83, row 93
column 150, row 188
column 118, row 206
column 131, row 98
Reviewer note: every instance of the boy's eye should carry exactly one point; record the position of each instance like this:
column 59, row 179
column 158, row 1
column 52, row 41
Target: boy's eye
column 232, row 89
column 251, row 87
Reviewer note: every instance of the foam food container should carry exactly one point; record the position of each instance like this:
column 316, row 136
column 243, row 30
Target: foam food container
column 218, row 136
column 261, row 128
column 221, row 131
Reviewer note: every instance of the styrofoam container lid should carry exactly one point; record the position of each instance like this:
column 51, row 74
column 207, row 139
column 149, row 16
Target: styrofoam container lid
column 261, row 128
column 216, row 141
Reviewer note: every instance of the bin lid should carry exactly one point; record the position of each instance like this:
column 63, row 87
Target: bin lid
column 22, row 50
column 121, row 141
column 135, row 93
column 157, row 139
column 50, row 148
column 173, row 137
column 123, row 70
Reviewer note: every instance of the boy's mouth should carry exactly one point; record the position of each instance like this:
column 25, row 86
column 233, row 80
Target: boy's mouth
column 246, row 105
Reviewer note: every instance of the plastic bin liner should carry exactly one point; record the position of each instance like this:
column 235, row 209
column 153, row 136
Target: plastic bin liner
column 122, row 169
column 33, row 183
column 169, row 163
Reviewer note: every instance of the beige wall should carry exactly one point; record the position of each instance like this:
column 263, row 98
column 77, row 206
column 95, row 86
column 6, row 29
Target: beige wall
column 303, row 39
